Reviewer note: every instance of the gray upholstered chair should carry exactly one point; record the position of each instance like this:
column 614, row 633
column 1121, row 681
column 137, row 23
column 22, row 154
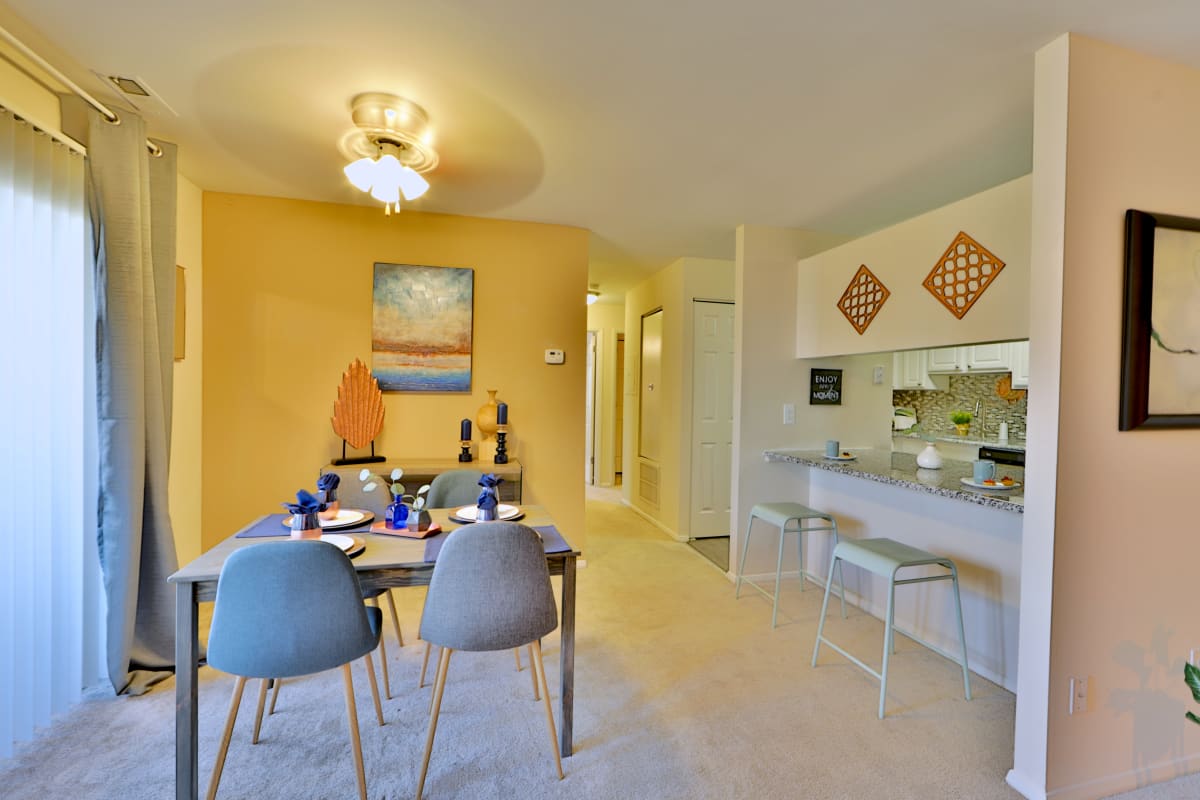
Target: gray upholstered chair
column 285, row 609
column 457, row 487
column 490, row 590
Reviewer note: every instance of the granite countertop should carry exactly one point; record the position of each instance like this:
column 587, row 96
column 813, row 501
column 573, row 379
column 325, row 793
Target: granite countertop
column 986, row 441
column 900, row 469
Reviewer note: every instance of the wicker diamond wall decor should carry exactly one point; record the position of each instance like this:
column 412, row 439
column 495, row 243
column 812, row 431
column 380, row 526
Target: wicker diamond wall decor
column 962, row 274
column 863, row 298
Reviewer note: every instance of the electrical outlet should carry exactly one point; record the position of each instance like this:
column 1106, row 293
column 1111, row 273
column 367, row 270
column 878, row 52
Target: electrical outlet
column 789, row 413
column 877, row 375
column 1079, row 695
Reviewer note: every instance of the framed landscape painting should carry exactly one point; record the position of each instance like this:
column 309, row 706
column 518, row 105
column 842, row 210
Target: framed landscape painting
column 1160, row 348
column 421, row 324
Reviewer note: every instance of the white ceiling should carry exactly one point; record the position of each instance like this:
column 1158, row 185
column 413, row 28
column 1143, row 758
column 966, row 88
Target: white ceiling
column 659, row 126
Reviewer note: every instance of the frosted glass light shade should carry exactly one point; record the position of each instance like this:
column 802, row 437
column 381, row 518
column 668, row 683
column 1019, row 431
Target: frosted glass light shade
column 412, row 184
column 361, row 173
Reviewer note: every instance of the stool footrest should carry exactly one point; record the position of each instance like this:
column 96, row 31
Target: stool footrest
column 878, row 676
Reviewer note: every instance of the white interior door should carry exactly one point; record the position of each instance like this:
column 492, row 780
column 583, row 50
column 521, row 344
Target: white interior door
column 589, row 449
column 712, row 418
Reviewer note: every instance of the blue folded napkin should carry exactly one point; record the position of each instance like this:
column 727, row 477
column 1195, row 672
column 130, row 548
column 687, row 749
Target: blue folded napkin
column 327, row 486
column 305, row 504
column 552, row 542
column 487, row 500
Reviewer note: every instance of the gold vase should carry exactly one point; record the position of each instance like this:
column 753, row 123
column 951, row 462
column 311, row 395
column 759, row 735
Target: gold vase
column 963, row 428
column 485, row 418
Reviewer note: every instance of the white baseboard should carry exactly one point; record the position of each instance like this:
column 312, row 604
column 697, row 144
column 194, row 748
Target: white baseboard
column 653, row 521
column 1126, row 780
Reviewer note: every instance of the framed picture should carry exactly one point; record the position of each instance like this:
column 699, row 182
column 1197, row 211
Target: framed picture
column 1160, row 346
column 421, row 328
column 825, row 387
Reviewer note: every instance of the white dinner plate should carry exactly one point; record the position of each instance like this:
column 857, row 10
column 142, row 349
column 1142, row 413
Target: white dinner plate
column 503, row 512
column 346, row 518
column 991, row 487
column 344, row 542
column 840, row 458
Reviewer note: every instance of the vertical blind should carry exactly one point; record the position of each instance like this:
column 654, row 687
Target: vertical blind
column 50, row 597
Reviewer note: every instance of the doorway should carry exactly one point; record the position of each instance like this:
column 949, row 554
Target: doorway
column 589, row 447
column 619, row 427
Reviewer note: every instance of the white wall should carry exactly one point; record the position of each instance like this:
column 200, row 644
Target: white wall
column 901, row 257
column 672, row 289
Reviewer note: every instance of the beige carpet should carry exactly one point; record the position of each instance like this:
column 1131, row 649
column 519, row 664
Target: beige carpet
column 681, row 692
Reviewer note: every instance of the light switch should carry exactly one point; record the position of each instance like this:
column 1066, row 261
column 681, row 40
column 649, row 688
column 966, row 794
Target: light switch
column 877, row 376
column 555, row 356
column 789, row 413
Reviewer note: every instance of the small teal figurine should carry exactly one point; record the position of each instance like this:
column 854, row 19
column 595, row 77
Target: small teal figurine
column 487, row 502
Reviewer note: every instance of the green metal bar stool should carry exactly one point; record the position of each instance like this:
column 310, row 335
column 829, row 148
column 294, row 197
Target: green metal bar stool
column 782, row 515
column 886, row 557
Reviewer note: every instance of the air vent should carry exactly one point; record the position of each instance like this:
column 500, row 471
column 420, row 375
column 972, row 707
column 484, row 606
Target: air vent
column 129, row 86
column 137, row 93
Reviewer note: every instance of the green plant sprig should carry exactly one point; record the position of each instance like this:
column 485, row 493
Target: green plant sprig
column 960, row 417
column 396, row 488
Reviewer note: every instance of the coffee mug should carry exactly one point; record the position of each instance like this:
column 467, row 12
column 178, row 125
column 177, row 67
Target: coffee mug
column 832, row 448
column 983, row 471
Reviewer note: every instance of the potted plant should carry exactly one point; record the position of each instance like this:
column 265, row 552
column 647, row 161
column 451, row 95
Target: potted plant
column 398, row 514
column 962, row 421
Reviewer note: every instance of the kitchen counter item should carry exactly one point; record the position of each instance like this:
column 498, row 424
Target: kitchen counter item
column 900, row 469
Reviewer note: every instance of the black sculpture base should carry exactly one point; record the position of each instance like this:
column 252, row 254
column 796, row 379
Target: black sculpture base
column 371, row 459
column 465, row 455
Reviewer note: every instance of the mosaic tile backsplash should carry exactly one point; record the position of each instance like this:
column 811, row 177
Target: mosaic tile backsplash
column 933, row 408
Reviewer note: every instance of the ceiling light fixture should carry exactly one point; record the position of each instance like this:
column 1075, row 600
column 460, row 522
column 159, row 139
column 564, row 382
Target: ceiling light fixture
column 592, row 296
column 388, row 148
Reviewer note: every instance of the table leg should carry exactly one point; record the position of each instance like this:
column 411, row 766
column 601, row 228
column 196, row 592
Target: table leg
column 187, row 651
column 566, row 711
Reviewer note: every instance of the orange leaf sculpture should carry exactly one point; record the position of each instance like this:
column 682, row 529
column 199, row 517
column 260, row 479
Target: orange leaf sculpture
column 358, row 410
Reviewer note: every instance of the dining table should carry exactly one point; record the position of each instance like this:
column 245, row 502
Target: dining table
column 387, row 561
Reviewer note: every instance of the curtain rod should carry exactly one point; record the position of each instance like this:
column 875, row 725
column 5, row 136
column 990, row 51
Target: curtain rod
column 104, row 110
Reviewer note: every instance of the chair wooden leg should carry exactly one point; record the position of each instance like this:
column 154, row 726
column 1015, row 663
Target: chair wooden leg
column 374, row 688
column 274, row 696
column 439, row 685
column 424, row 664
column 540, row 668
column 517, row 656
column 352, row 714
column 262, row 702
column 238, row 686
column 532, row 673
column 387, row 681
column 395, row 617
column 441, row 657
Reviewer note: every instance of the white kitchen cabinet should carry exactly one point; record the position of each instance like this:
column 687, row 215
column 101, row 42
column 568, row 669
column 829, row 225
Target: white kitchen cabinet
column 947, row 359
column 988, row 357
column 1019, row 360
column 910, row 370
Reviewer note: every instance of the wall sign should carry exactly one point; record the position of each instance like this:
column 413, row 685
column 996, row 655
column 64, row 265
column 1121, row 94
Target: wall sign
column 825, row 387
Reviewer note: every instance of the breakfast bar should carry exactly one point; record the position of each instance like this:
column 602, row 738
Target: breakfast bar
column 880, row 493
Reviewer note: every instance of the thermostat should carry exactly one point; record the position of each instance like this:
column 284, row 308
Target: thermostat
column 555, row 357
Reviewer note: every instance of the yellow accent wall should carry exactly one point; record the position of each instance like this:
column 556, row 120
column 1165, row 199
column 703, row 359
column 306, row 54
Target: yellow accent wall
column 287, row 307
column 185, row 485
